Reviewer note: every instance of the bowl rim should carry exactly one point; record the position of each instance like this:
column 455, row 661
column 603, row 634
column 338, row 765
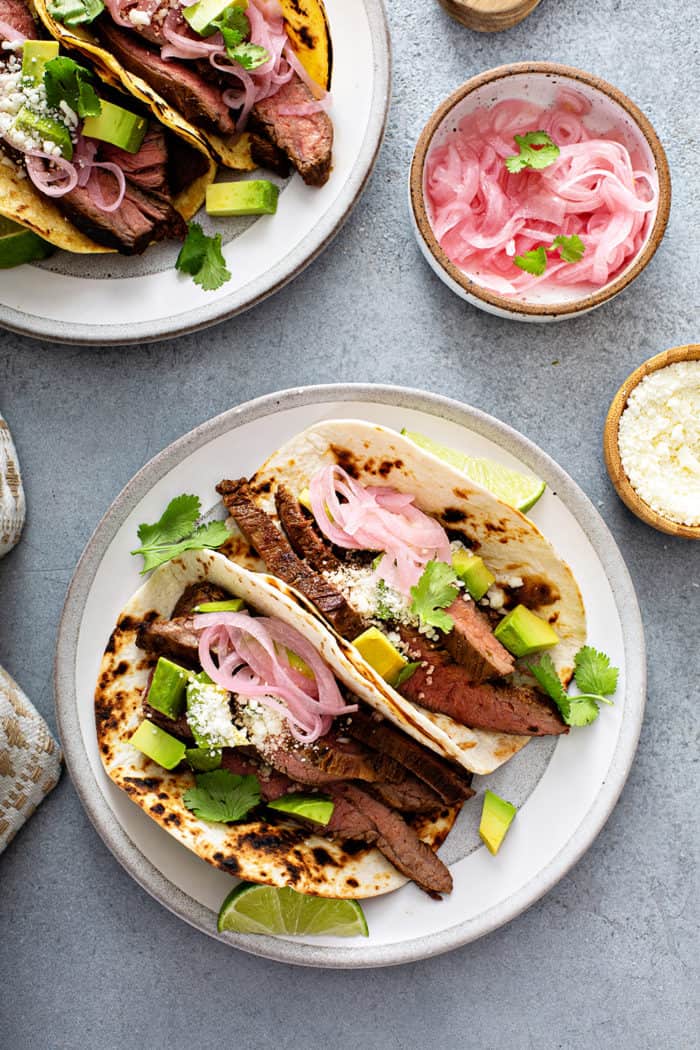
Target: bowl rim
column 518, row 308
column 611, row 449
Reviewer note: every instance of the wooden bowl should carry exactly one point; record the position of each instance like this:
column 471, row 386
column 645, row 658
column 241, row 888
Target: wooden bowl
column 611, row 449
column 489, row 16
column 539, row 82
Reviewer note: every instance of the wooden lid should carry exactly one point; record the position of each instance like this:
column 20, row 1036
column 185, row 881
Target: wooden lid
column 611, row 448
column 489, row 16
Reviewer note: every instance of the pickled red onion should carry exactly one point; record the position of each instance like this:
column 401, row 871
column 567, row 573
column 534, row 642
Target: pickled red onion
column 45, row 179
column 8, row 32
column 252, row 660
column 377, row 518
column 482, row 215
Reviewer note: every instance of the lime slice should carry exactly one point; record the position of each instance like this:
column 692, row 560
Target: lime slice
column 250, row 908
column 18, row 245
column 517, row 490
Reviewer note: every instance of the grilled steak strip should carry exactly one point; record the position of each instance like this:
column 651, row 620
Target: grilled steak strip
column 306, row 140
column 148, row 168
column 411, row 795
column 275, row 550
column 197, row 99
column 178, row 727
column 301, row 534
column 266, row 155
column 358, row 815
column 16, row 13
column 272, row 784
column 175, row 638
column 196, row 594
column 443, row 686
column 472, row 644
column 452, row 785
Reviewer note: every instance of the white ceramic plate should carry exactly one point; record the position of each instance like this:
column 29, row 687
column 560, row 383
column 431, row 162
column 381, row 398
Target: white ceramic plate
column 112, row 299
column 565, row 787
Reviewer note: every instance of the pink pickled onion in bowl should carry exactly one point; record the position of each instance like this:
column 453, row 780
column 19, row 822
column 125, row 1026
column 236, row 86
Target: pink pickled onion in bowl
column 252, row 660
column 483, row 215
column 377, row 518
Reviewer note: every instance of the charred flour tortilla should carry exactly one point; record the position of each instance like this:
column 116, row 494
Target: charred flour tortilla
column 276, row 852
column 509, row 543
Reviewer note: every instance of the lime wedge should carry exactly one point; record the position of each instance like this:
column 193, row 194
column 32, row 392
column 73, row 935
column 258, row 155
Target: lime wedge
column 19, row 245
column 250, row 908
column 517, row 490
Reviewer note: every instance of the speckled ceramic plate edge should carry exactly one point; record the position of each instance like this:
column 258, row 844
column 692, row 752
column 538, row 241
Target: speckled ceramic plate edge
column 361, row 956
column 316, row 240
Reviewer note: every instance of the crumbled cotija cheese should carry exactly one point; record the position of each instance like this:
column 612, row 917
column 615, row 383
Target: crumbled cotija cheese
column 209, row 716
column 659, row 441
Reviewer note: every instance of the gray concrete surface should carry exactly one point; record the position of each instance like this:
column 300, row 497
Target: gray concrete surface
column 609, row 957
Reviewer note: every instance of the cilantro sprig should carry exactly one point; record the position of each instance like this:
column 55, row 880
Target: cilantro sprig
column 201, row 257
column 66, row 81
column 234, row 27
column 594, row 676
column 177, row 531
column 222, row 796
column 436, row 589
column 535, row 151
column 571, row 250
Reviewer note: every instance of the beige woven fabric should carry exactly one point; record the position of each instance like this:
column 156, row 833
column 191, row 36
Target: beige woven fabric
column 30, row 759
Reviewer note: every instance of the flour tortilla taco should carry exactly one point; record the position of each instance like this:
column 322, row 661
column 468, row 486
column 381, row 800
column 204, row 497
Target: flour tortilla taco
column 315, row 784
column 435, row 581
column 250, row 76
column 86, row 167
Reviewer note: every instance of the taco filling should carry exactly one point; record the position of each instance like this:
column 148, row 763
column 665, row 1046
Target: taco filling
column 84, row 149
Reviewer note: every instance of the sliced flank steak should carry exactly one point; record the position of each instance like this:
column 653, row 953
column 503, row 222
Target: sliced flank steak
column 16, row 14
column 274, row 549
column 272, row 784
column 301, row 533
column 306, row 140
column 178, row 727
column 149, row 167
column 443, row 686
column 197, row 594
column 472, row 644
column 176, row 639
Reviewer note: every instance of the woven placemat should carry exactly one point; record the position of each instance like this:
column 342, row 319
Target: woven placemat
column 30, row 758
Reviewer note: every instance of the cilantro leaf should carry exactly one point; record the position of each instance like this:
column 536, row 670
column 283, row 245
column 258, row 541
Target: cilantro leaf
column 546, row 674
column 535, row 150
column 571, row 249
column 233, row 24
column 405, row 673
column 66, row 81
column 593, row 672
column 250, row 56
column 435, row 590
column 76, row 12
column 582, row 711
column 175, row 533
column 534, row 262
column 222, row 796
column 201, row 257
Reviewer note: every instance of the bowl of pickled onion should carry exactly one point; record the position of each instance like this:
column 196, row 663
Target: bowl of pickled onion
column 538, row 192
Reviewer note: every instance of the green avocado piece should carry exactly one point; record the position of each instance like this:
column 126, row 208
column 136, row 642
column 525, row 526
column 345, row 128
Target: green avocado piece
column 168, row 688
column 253, row 197
column 496, row 817
column 158, row 745
column 231, row 605
column 46, row 128
column 35, row 55
column 311, row 807
column 523, row 632
column 380, row 654
column 202, row 14
column 117, row 126
column 471, row 569
column 203, row 759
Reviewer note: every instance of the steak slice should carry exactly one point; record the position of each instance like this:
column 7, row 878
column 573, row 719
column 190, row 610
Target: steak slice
column 149, row 167
column 450, row 784
column 375, row 823
column 16, row 13
column 306, row 140
column 349, row 760
column 178, row 727
column 301, row 534
column 275, row 550
column 267, row 155
column 138, row 221
column 443, row 686
column 410, row 795
column 472, row 644
column 198, row 100
column 272, row 784
column 196, row 594
column 175, row 638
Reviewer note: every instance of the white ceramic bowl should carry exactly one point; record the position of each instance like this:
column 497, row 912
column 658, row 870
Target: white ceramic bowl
column 539, row 82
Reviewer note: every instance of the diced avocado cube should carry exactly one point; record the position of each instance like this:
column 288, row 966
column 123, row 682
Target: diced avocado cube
column 203, row 759
column 523, row 632
column 311, row 807
column 496, row 817
column 168, row 687
column 380, row 654
column 254, row 197
column 202, row 14
column 35, row 55
column 45, row 128
column 117, row 126
column 304, row 498
column 230, row 605
column 158, row 745
column 471, row 569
